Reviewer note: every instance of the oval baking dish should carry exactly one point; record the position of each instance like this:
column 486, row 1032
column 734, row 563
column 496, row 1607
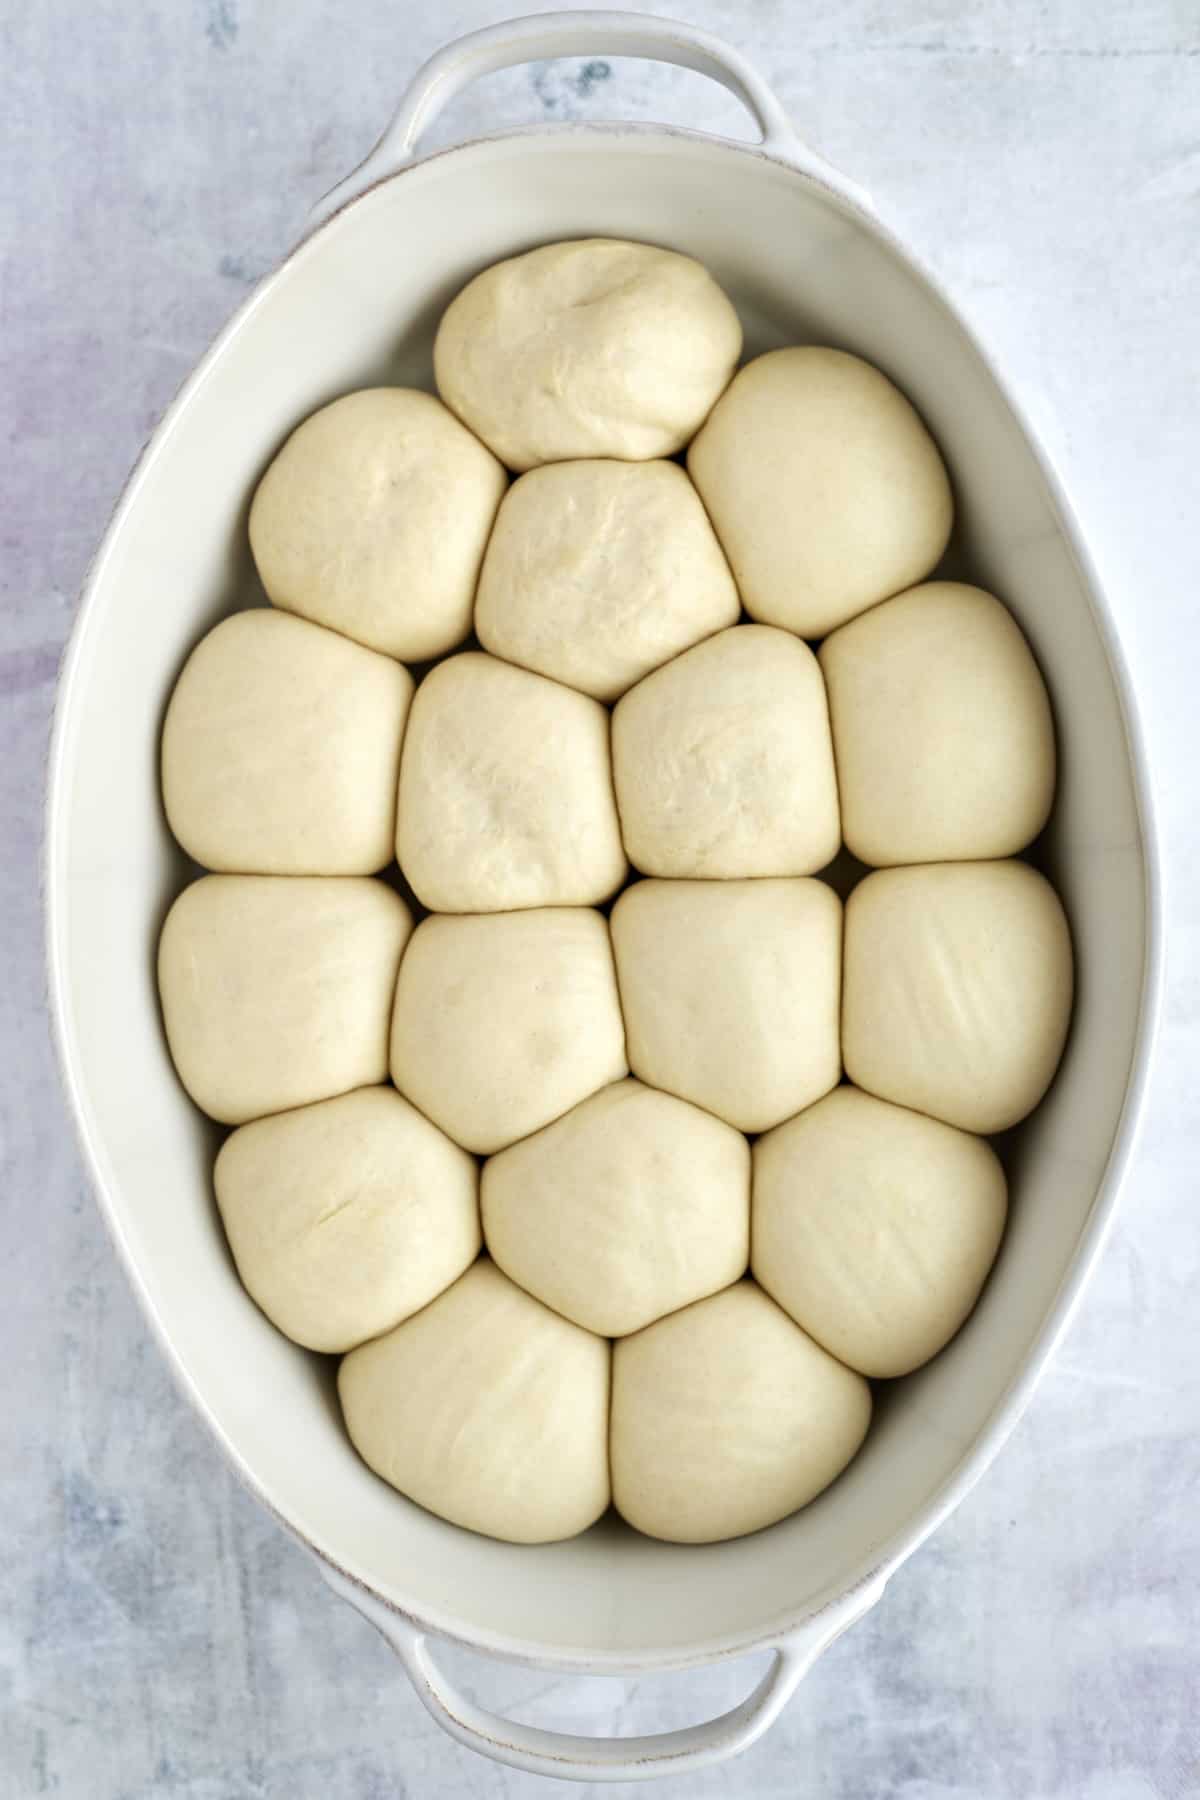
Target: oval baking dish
column 805, row 259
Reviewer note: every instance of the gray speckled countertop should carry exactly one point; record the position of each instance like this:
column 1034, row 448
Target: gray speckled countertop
column 158, row 1634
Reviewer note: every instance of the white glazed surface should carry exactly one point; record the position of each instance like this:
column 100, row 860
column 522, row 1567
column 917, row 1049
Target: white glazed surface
column 301, row 1647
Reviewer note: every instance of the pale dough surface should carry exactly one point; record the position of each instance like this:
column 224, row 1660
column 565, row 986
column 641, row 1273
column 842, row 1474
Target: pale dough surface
column 875, row 1227
column 281, row 749
column 723, row 761
column 346, row 1217
column 731, row 992
column 958, row 987
column 597, row 572
column 726, row 1417
column 488, row 1409
column 826, row 490
column 503, row 1021
column 590, row 348
column 373, row 519
column 506, row 795
column 276, row 993
column 631, row 1205
column 942, row 728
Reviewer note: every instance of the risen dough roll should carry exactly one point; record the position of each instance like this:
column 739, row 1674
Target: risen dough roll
column 875, row 1227
column 276, row 993
column 630, row 1206
column 373, row 518
column 958, row 981
column 827, row 492
column 506, row 795
column 593, row 348
column 488, row 1409
column 347, row 1216
column 597, row 572
column 730, row 991
column 723, row 761
column 505, row 1020
column 942, row 727
column 281, row 749
column 726, row 1417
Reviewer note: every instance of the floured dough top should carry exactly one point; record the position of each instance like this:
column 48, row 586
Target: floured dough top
column 726, row 1417
column 958, row 986
column 591, row 348
column 487, row 1408
column 506, row 796
column 597, row 572
column 826, row 490
column 373, row 518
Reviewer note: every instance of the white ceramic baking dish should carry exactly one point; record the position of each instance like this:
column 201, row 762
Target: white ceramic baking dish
column 804, row 256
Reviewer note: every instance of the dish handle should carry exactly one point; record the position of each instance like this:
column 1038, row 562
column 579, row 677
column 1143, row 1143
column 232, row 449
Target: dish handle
column 572, row 1758
column 546, row 35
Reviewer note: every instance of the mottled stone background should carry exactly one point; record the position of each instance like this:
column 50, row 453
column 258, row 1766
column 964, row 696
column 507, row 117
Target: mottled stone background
column 158, row 1635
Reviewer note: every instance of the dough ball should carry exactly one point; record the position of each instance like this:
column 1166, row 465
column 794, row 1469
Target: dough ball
column 875, row 1228
column 506, row 796
column 723, row 761
column 631, row 1205
column 281, row 749
column 278, row 993
column 373, row 520
column 827, row 492
column 503, row 1021
column 942, row 727
column 594, row 348
column 726, row 1417
column 958, row 982
column 597, row 572
column 488, row 1409
column 730, row 991
column 347, row 1216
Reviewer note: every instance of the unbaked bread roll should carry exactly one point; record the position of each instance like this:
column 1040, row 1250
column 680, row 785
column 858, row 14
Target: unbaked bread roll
column 826, row 490
column 726, row 1417
column 591, row 348
column 958, row 981
column 723, row 761
column 281, row 749
column 505, row 1020
column 597, row 572
column 506, row 796
column 875, row 1227
column 942, row 728
column 347, row 1216
column 276, row 993
column 730, row 991
column 631, row 1205
column 372, row 519
column 488, row 1409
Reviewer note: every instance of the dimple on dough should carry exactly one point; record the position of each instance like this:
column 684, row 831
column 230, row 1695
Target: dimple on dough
column 730, row 991
column 590, row 348
column 348, row 1216
column 958, row 986
column 503, row 1021
column 874, row 1228
column 597, row 572
column 276, row 993
column 506, row 796
column 942, row 728
column 726, row 1417
column 281, row 749
column 826, row 490
column 373, row 518
column 723, row 761
column 487, row 1408
column 631, row 1205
